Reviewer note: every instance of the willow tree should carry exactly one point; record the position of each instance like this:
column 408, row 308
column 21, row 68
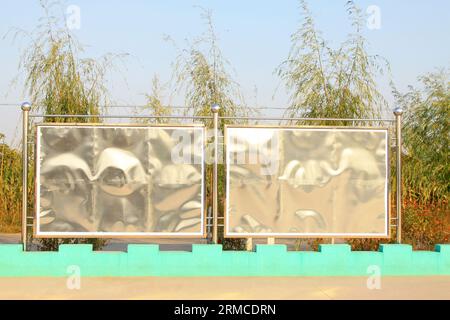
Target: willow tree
column 58, row 79
column 154, row 103
column 326, row 82
column 426, row 173
column 201, row 75
column 332, row 83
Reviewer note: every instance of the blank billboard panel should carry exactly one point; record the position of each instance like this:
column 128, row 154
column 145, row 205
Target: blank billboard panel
column 306, row 182
column 119, row 181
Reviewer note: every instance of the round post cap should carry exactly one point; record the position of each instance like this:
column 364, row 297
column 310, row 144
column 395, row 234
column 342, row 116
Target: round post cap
column 398, row 111
column 26, row 106
column 215, row 108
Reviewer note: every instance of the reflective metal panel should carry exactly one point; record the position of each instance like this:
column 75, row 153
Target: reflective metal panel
column 112, row 181
column 305, row 181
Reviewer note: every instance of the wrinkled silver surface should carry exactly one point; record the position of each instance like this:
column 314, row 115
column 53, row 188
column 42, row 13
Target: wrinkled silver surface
column 306, row 181
column 114, row 181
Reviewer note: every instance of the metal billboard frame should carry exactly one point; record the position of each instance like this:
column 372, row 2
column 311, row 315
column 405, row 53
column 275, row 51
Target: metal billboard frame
column 396, row 122
column 387, row 232
column 129, row 235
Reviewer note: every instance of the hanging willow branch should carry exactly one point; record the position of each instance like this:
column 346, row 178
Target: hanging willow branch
column 57, row 79
column 201, row 75
column 328, row 83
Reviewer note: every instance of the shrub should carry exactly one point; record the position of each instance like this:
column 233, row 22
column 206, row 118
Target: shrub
column 10, row 188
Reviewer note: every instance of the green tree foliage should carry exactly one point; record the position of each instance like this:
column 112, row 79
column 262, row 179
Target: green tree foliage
column 155, row 104
column 58, row 79
column 10, row 190
column 201, row 75
column 331, row 83
column 425, row 170
column 426, row 173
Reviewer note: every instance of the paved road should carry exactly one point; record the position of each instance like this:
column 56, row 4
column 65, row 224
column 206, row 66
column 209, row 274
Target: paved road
column 227, row 288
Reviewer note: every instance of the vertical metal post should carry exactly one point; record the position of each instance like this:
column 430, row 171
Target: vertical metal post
column 26, row 107
column 215, row 110
column 398, row 122
column 249, row 244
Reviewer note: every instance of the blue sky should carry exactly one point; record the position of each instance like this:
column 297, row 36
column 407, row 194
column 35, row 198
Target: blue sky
column 254, row 36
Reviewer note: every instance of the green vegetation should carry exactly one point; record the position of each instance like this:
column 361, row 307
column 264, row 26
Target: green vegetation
column 201, row 75
column 426, row 173
column 10, row 188
column 155, row 104
column 332, row 83
column 58, row 81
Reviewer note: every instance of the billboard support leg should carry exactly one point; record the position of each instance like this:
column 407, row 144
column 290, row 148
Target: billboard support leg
column 249, row 244
column 215, row 110
column 398, row 122
column 26, row 107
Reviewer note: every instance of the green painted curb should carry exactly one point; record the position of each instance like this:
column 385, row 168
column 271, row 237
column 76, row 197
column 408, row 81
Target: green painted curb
column 211, row 260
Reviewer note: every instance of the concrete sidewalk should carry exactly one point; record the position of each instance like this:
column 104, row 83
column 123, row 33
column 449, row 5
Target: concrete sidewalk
column 227, row 288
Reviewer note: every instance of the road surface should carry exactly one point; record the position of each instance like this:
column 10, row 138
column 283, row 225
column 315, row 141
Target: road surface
column 323, row 288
